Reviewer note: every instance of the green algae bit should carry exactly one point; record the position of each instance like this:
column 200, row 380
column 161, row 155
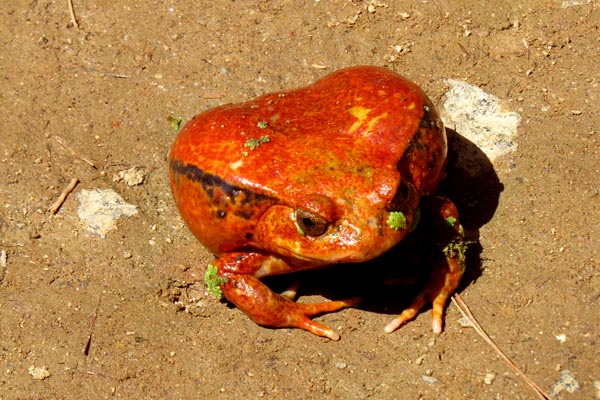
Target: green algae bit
column 175, row 122
column 457, row 248
column 451, row 221
column 396, row 220
column 214, row 281
column 254, row 143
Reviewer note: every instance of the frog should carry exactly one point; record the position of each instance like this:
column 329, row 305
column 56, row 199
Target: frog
column 336, row 172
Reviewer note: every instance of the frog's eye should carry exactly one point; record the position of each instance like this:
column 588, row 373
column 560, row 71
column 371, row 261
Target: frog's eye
column 309, row 223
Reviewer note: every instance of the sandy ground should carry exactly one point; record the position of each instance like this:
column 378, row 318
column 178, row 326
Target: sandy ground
column 105, row 91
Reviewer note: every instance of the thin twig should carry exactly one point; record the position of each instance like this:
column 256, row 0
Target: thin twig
column 53, row 209
column 72, row 13
column 86, row 348
column 464, row 310
column 95, row 373
column 59, row 140
column 112, row 74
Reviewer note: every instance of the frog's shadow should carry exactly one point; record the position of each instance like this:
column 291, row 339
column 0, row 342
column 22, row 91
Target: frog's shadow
column 472, row 184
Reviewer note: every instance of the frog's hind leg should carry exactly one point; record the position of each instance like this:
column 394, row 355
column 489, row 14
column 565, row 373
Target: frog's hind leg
column 447, row 233
column 264, row 306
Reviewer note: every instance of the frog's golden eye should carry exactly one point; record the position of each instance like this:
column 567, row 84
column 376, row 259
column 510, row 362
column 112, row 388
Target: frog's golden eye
column 309, row 223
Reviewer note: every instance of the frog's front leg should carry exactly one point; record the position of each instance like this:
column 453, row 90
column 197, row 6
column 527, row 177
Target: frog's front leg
column 238, row 275
column 443, row 226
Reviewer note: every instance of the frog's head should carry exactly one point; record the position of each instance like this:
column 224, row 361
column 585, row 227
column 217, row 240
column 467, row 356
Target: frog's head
column 319, row 229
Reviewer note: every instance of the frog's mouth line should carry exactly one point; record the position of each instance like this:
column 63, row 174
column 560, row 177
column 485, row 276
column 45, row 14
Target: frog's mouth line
column 343, row 242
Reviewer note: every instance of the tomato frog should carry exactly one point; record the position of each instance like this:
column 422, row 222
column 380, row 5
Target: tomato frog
column 335, row 172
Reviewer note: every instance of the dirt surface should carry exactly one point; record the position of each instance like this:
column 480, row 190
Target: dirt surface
column 105, row 92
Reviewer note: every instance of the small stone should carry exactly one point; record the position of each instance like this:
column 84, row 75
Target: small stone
column 132, row 177
column 101, row 208
column 429, row 379
column 489, row 378
column 482, row 118
column 567, row 382
column 341, row 365
column 39, row 373
column 464, row 322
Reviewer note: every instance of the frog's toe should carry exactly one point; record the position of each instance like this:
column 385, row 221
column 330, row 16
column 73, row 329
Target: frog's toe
column 408, row 314
column 316, row 328
column 437, row 312
column 300, row 317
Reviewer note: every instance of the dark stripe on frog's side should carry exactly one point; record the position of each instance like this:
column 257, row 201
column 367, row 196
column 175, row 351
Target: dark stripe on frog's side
column 419, row 158
column 422, row 137
column 419, row 149
column 225, row 197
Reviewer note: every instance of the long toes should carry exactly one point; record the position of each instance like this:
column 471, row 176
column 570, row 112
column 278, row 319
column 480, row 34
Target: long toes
column 437, row 313
column 320, row 308
column 408, row 314
column 318, row 329
column 299, row 316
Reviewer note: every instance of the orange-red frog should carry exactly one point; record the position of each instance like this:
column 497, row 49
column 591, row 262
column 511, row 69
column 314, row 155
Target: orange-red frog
column 335, row 172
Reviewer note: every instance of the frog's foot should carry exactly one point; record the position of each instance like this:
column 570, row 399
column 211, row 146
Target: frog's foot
column 446, row 273
column 267, row 308
column 298, row 316
column 443, row 283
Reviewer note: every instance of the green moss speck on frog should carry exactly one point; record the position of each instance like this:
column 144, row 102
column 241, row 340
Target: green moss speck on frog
column 214, row 281
column 451, row 221
column 254, row 143
column 262, row 124
column 457, row 248
column 396, row 220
